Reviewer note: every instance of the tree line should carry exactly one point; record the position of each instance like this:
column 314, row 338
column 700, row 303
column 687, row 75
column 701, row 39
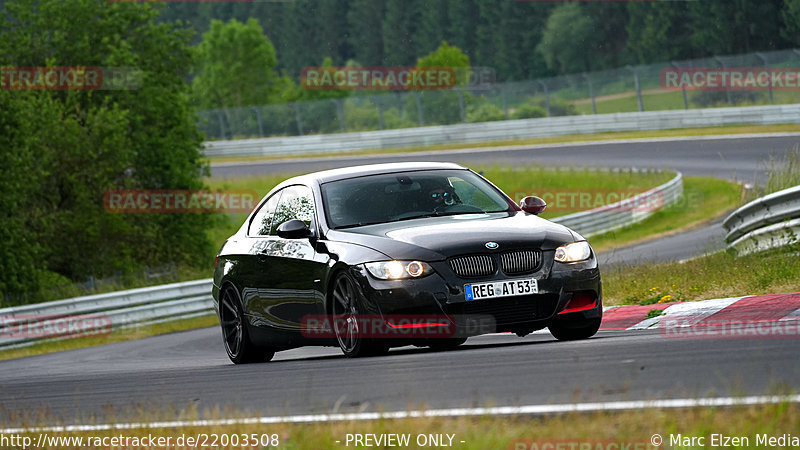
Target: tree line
column 61, row 150
column 519, row 39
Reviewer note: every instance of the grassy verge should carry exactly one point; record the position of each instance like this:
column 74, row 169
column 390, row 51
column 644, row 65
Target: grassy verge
column 703, row 199
column 715, row 276
column 681, row 132
column 119, row 335
column 632, row 429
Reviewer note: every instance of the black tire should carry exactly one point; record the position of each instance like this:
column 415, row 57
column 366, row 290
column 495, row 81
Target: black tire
column 346, row 309
column 446, row 344
column 565, row 330
column 234, row 331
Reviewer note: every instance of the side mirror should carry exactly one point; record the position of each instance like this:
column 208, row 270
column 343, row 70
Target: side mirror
column 532, row 205
column 294, row 229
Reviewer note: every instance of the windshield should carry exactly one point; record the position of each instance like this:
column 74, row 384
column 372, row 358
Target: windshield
column 409, row 195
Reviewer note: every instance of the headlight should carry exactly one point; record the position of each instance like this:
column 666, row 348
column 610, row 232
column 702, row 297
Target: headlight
column 574, row 252
column 393, row 270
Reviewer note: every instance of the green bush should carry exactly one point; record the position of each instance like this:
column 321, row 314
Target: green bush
column 485, row 113
column 365, row 118
column 529, row 111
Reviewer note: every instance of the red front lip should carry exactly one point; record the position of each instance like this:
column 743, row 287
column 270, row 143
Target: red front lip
column 580, row 302
column 416, row 325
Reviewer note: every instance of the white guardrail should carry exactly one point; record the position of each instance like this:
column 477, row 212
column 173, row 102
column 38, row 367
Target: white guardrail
column 506, row 130
column 100, row 313
column 96, row 314
column 768, row 222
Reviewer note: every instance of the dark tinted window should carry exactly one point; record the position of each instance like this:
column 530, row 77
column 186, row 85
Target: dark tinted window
column 408, row 195
column 262, row 221
column 297, row 202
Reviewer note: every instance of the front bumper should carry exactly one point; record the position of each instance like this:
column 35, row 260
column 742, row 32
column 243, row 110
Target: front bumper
column 441, row 295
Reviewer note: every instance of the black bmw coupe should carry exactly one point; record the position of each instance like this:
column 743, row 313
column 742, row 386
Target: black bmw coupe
column 388, row 255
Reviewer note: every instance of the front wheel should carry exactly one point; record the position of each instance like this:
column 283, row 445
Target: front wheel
column 234, row 331
column 572, row 330
column 346, row 313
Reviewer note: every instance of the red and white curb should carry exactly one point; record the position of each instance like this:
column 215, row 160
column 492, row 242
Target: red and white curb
column 738, row 314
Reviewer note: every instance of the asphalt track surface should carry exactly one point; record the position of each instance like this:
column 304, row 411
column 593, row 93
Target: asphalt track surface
column 190, row 368
column 733, row 157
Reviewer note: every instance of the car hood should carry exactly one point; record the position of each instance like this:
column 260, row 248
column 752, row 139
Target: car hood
column 437, row 238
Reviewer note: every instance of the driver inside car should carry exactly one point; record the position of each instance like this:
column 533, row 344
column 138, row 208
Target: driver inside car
column 440, row 197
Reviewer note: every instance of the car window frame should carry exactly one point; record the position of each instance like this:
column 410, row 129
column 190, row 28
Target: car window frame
column 263, row 204
column 512, row 207
column 314, row 218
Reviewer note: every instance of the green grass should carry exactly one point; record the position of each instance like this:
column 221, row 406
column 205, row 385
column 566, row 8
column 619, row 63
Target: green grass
column 595, row 429
column 719, row 275
column 659, row 101
column 118, row 335
column 628, row 103
column 704, row 199
column 679, row 132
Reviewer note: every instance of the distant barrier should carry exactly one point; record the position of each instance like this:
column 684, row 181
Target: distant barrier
column 24, row 325
column 613, row 216
column 504, row 131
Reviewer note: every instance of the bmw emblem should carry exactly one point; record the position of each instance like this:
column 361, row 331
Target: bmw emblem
column 492, row 245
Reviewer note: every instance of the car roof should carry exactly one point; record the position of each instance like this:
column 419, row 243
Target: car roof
column 326, row 176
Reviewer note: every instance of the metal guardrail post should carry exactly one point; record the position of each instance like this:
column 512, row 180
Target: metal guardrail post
column 298, row 117
column 461, row 106
column 638, row 87
column 766, row 66
column 546, row 96
column 419, row 108
column 258, row 119
column 380, row 112
column 727, row 91
column 683, row 88
column 339, row 113
column 591, row 92
column 221, row 120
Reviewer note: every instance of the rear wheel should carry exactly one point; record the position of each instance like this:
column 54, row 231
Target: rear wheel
column 572, row 330
column 346, row 311
column 234, row 331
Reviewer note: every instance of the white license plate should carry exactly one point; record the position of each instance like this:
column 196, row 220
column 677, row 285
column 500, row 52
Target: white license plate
column 497, row 289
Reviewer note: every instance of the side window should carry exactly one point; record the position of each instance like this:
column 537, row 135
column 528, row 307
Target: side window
column 297, row 202
column 262, row 221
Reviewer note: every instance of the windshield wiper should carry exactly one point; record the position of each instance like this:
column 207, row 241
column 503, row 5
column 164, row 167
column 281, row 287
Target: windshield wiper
column 439, row 214
column 359, row 224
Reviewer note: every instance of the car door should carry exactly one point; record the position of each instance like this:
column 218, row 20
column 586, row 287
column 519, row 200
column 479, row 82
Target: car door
column 296, row 269
column 257, row 274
